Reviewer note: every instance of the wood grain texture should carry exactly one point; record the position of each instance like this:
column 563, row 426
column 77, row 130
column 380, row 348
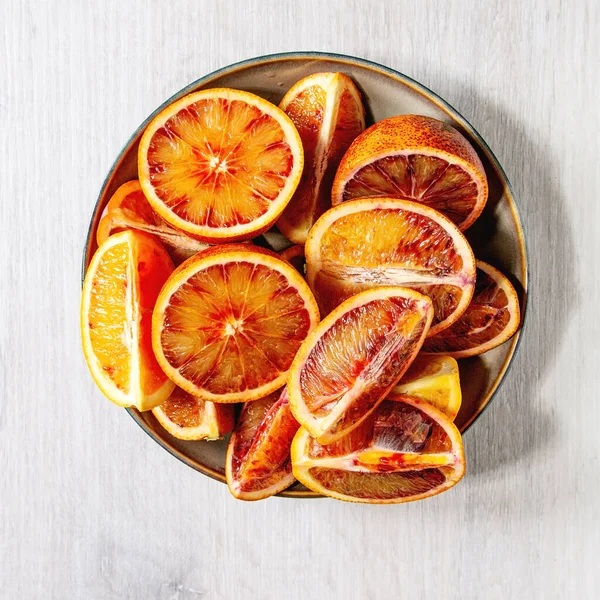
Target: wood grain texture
column 91, row 508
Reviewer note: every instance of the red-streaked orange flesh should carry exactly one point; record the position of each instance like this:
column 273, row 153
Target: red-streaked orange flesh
column 258, row 455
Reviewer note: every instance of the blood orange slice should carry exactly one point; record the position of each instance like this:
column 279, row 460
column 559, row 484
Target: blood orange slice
column 220, row 164
column 371, row 242
column 328, row 113
column 258, row 456
column 129, row 209
column 493, row 317
column 295, row 256
column 229, row 322
column 433, row 379
column 407, row 450
column 415, row 158
column 119, row 292
column 355, row 356
column 189, row 418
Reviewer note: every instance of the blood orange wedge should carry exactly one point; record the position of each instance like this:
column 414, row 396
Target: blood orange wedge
column 492, row 318
column 355, row 356
column 129, row 209
column 189, row 418
column 366, row 243
column 295, row 256
column 328, row 113
column 220, row 164
column 119, row 292
column 416, row 158
column 229, row 321
column 407, row 450
column 433, row 379
column 258, row 456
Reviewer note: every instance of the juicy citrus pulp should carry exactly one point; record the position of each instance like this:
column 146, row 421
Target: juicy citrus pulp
column 229, row 322
column 220, row 164
column 119, row 291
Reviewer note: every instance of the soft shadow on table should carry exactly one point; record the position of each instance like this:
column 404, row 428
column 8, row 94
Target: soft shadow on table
column 515, row 426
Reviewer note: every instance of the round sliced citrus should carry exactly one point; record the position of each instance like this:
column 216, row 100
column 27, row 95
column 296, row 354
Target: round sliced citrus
column 328, row 113
column 434, row 379
column 229, row 321
column 258, row 455
column 355, row 356
column 370, row 242
column 220, row 164
column 416, row 158
column 121, row 285
column 492, row 317
column 295, row 256
column 129, row 209
column 187, row 417
column 407, row 450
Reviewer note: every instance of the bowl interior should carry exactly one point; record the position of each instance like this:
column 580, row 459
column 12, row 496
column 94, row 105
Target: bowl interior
column 496, row 237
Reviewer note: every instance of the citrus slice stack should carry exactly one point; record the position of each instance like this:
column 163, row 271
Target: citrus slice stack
column 408, row 450
column 129, row 209
column 229, row 321
column 121, row 285
column 220, row 164
column 295, row 256
column 433, row 379
column 491, row 319
column 416, row 158
column 328, row 113
column 372, row 242
column 355, row 356
column 258, row 461
column 189, row 418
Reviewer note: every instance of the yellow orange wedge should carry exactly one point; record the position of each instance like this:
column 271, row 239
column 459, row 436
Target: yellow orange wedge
column 384, row 241
column 129, row 209
column 258, row 461
column 328, row 113
column 492, row 318
column 295, row 256
column 433, row 379
column 220, row 164
column 354, row 357
column 415, row 158
column 229, row 321
column 120, row 288
column 407, row 450
column 189, row 418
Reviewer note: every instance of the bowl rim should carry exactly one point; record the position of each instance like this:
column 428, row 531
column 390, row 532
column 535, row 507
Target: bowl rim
column 393, row 74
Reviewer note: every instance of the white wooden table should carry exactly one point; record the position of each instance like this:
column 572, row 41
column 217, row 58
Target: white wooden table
column 90, row 507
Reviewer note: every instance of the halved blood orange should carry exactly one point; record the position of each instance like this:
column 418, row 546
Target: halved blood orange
column 187, row 417
column 433, row 379
column 355, row 356
column 492, row 317
column 120, row 288
column 220, row 164
column 371, row 242
column 416, row 158
column 328, row 113
column 229, row 321
column 258, row 455
column 407, row 450
column 295, row 256
column 128, row 208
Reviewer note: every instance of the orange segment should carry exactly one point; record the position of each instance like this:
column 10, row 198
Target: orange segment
column 258, row 455
column 220, row 164
column 189, row 418
column 328, row 113
column 129, row 209
column 229, row 322
column 492, row 317
column 415, row 158
column 366, row 243
column 120, row 288
column 407, row 450
column 355, row 356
